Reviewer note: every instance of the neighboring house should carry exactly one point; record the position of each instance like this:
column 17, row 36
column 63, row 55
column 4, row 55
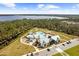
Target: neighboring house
column 30, row 38
column 43, row 38
column 55, row 39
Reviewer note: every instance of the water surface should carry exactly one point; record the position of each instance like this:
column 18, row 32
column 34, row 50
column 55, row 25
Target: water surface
column 4, row 18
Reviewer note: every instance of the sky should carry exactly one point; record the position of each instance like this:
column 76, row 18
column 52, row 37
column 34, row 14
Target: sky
column 39, row 8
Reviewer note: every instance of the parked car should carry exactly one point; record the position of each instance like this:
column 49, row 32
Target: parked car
column 48, row 49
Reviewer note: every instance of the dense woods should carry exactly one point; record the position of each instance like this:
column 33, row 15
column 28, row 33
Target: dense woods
column 9, row 30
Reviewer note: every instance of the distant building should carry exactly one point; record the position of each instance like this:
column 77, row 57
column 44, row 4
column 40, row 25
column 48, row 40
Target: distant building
column 42, row 38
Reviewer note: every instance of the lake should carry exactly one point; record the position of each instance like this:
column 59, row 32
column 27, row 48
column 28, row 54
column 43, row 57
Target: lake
column 5, row 18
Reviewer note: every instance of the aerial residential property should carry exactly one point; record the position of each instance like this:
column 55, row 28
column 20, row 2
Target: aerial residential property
column 39, row 29
column 42, row 38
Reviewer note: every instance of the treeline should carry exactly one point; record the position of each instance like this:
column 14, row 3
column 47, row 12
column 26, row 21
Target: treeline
column 57, row 25
column 72, row 19
column 9, row 30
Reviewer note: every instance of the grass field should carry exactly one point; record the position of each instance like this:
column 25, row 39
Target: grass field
column 16, row 48
column 74, row 51
column 58, row 54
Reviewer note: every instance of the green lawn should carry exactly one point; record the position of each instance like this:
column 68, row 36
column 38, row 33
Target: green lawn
column 58, row 54
column 74, row 51
column 16, row 48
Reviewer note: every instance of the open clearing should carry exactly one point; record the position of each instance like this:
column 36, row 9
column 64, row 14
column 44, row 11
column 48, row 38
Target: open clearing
column 16, row 48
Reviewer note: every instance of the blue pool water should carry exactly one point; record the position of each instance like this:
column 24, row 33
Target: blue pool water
column 40, row 33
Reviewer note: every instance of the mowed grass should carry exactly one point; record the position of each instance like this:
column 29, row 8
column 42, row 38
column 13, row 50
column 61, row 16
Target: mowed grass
column 16, row 48
column 58, row 54
column 74, row 51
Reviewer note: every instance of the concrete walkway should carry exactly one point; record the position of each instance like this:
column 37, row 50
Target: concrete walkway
column 62, row 52
column 23, row 41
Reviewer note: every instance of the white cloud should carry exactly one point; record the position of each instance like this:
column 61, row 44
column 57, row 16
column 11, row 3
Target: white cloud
column 73, row 7
column 42, row 9
column 76, row 6
column 47, row 7
column 52, row 6
column 10, row 5
column 25, row 8
column 40, row 5
column 40, row 12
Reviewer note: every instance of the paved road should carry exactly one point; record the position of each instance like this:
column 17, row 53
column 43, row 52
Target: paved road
column 53, row 50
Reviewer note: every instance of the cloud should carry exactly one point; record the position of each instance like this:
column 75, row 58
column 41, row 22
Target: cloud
column 9, row 5
column 24, row 8
column 52, row 6
column 47, row 7
column 40, row 12
column 41, row 9
column 75, row 6
column 41, row 5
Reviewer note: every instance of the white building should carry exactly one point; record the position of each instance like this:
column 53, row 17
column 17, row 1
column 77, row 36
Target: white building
column 43, row 39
